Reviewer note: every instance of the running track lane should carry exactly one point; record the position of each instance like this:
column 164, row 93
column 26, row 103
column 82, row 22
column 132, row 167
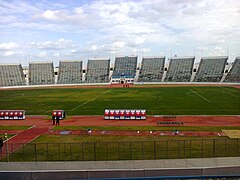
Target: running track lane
column 22, row 138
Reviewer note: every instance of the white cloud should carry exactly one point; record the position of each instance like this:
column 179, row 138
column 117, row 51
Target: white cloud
column 56, row 55
column 101, row 26
column 8, row 46
column 53, row 45
column 118, row 45
column 9, row 53
column 42, row 54
column 54, row 15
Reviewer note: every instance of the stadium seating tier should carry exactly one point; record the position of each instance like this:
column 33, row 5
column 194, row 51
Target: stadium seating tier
column 98, row 71
column 12, row 75
column 70, row 72
column 41, row 73
column 211, row 69
column 180, row 70
column 152, row 69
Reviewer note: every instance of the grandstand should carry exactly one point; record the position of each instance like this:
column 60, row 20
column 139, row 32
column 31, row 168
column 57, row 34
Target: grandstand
column 180, row 69
column 125, row 69
column 70, row 72
column 97, row 71
column 12, row 75
column 211, row 69
column 152, row 69
column 234, row 73
column 41, row 73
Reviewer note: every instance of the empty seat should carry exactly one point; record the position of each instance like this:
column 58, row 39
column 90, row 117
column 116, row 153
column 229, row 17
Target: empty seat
column 41, row 73
column 12, row 75
column 125, row 67
column 152, row 69
column 234, row 73
column 70, row 72
column 180, row 69
column 211, row 69
column 97, row 71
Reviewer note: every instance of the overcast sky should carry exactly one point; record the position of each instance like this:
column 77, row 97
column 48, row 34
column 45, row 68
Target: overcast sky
column 43, row 30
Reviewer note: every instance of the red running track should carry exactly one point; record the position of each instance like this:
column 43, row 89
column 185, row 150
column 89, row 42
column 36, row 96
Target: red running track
column 42, row 124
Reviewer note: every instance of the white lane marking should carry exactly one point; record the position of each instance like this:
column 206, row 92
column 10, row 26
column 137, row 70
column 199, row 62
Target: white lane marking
column 230, row 94
column 90, row 100
column 200, row 95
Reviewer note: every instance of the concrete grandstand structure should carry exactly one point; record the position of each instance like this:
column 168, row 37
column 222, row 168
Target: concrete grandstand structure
column 211, row 69
column 125, row 69
column 151, row 70
column 234, row 74
column 11, row 75
column 41, row 73
column 98, row 71
column 70, row 72
column 180, row 69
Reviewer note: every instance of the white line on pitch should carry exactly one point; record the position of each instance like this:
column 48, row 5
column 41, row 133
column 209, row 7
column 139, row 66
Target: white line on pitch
column 233, row 90
column 90, row 100
column 200, row 95
column 230, row 94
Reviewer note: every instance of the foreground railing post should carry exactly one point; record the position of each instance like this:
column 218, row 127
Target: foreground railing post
column 59, row 155
column 47, row 153
column 35, row 152
column 155, row 153
column 94, row 150
column 237, row 145
column 190, row 144
column 214, row 147
column 118, row 152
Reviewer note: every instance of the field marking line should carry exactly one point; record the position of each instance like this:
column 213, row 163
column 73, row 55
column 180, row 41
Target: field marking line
column 90, row 100
column 233, row 90
column 200, row 96
column 230, row 94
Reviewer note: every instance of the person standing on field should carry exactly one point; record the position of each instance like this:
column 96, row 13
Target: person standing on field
column 53, row 120
column 57, row 120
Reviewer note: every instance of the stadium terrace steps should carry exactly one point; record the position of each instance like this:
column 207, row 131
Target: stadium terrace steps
column 211, row 69
column 12, row 75
column 152, row 69
column 180, row 69
column 234, row 73
column 125, row 67
column 98, row 71
column 41, row 73
column 70, row 72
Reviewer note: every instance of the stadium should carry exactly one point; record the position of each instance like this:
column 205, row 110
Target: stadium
column 153, row 120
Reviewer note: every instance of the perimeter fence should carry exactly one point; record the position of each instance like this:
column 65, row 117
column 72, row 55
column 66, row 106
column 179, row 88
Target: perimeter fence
column 129, row 150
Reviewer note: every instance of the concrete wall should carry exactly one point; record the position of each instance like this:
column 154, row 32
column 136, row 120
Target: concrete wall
column 120, row 169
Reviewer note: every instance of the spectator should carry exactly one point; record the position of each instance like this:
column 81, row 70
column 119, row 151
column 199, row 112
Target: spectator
column 53, row 120
column 64, row 114
column 57, row 120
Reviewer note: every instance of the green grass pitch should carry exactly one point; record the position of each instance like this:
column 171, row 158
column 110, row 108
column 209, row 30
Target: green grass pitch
column 93, row 101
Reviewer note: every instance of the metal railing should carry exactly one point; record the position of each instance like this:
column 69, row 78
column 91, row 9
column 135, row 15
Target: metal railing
column 128, row 150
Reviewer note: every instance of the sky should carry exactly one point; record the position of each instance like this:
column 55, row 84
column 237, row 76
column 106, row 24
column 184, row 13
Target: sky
column 43, row 30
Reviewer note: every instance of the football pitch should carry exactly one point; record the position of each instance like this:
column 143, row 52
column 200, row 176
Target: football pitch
column 189, row 100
